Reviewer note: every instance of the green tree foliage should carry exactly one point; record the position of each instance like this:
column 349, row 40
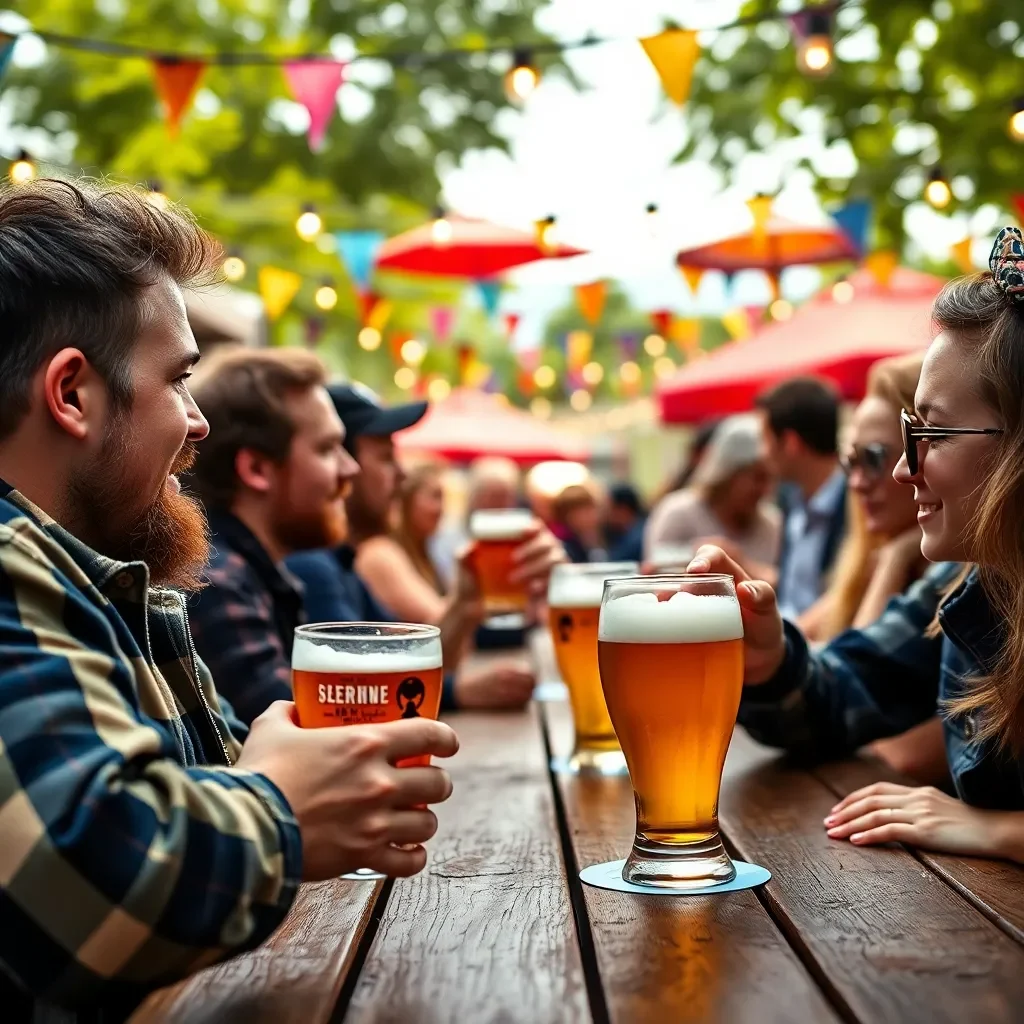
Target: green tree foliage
column 916, row 83
column 241, row 161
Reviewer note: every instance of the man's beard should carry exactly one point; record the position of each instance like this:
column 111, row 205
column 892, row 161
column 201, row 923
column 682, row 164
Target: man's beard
column 169, row 534
column 300, row 527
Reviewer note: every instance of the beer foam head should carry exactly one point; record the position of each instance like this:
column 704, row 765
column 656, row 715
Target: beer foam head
column 683, row 619
column 367, row 656
column 499, row 524
column 569, row 588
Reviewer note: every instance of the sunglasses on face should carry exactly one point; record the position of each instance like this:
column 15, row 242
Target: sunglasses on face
column 914, row 431
column 872, row 459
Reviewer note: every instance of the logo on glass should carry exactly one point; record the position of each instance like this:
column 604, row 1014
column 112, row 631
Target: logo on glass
column 410, row 695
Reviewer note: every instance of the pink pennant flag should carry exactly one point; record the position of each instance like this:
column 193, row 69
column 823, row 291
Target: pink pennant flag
column 441, row 320
column 315, row 84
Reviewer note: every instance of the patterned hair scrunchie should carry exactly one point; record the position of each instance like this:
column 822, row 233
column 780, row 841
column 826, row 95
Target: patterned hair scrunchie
column 1007, row 263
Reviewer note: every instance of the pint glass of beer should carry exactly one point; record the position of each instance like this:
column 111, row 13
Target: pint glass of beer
column 574, row 604
column 671, row 655
column 497, row 533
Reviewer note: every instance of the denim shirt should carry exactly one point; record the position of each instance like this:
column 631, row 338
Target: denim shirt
column 881, row 680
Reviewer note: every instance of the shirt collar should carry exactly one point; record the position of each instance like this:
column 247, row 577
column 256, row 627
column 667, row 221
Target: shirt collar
column 825, row 500
column 968, row 620
column 229, row 531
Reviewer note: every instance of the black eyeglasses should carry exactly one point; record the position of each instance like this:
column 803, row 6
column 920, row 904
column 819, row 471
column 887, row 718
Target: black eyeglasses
column 872, row 459
column 914, row 432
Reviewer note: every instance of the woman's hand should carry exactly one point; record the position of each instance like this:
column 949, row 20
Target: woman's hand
column 925, row 817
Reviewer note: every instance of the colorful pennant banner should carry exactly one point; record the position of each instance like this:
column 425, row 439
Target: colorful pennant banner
column 737, row 323
column 578, row 346
column 960, row 254
column 6, row 51
column 357, row 251
column 693, row 276
column 511, row 323
column 854, row 220
column 662, row 321
column 881, row 265
column 591, row 298
column 442, row 319
column 673, row 53
column 315, row 84
column 490, row 293
column 277, row 289
column 176, row 84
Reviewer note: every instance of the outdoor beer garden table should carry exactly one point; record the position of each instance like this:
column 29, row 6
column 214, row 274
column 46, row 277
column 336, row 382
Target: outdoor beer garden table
column 499, row 927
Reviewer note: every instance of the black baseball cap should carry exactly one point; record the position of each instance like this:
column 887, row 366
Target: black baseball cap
column 364, row 415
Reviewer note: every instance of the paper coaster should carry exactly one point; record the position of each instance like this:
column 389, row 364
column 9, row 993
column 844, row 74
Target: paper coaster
column 551, row 690
column 609, row 876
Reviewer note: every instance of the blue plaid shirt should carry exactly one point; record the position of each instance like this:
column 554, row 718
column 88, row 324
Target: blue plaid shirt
column 881, row 680
column 132, row 852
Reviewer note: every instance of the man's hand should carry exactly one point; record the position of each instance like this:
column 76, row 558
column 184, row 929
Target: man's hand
column 534, row 559
column 498, row 686
column 355, row 809
column 764, row 644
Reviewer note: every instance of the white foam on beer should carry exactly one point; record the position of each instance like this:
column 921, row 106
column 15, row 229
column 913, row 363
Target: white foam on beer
column 499, row 524
column 684, row 618
column 312, row 657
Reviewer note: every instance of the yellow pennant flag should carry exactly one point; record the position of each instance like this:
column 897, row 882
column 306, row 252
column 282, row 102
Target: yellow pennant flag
column 693, row 275
column 686, row 334
column 737, row 323
column 960, row 254
column 578, row 346
column 673, row 53
column 277, row 289
column 379, row 314
column 881, row 265
column 590, row 298
column 760, row 208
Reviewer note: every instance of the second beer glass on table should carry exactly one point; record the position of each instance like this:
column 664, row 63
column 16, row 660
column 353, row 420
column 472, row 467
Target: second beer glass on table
column 574, row 604
column 496, row 534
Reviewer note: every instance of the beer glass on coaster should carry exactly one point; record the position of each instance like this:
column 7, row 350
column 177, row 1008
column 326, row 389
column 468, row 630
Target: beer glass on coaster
column 670, row 650
column 574, row 604
column 366, row 673
column 496, row 534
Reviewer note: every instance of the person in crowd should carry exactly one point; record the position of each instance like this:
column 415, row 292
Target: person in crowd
column 383, row 571
column 576, row 521
column 955, row 639
column 419, row 515
column 725, row 501
column 146, row 833
column 800, row 420
column 624, row 524
column 698, row 446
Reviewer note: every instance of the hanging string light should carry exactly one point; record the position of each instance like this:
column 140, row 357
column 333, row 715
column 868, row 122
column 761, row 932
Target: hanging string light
column 438, row 389
column 937, row 191
column 233, row 267
column 413, row 352
column 630, row 372
column 441, row 229
column 1017, row 120
column 654, row 345
column 842, row 292
column 544, row 376
column 652, row 218
column 309, row 224
column 592, row 373
column 541, row 407
column 781, row 309
column 326, row 297
column 545, row 229
column 369, row 339
column 580, row 400
column 521, row 78
column 405, row 378
column 23, row 169
column 814, row 55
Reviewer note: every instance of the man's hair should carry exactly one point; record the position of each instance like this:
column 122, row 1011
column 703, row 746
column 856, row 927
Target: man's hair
column 244, row 393
column 75, row 260
column 807, row 406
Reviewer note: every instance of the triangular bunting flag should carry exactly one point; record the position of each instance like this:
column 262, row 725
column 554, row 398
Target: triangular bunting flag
column 357, row 251
column 367, row 300
column 673, row 53
column 590, row 298
column 6, row 51
column 880, row 265
column 686, row 334
column 854, row 220
column 176, row 83
column 961, row 255
column 693, row 276
column 315, row 83
column 395, row 343
column 465, row 357
column 442, row 318
column 379, row 315
column 525, row 383
column 578, row 346
column 737, row 323
column 755, row 317
column 277, row 289
column 511, row 323
column 662, row 320
column 490, row 293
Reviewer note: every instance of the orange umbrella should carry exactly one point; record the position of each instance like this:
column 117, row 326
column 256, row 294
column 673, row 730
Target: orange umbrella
column 455, row 246
column 825, row 337
column 468, row 424
column 781, row 243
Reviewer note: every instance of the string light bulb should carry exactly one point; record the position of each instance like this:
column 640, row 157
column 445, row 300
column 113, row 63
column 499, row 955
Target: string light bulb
column 544, row 376
column 23, row 169
column 654, row 345
column 405, row 378
column 1017, row 120
column 580, row 400
column 781, row 309
column 326, row 297
column 522, row 77
column 309, row 224
column 233, row 267
column 814, row 55
column 664, row 367
column 369, row 339
column 438, row 389
column 541, row 407
column 546, row 233
column 630, row 372
column 441, row 228
column 413, row 352
column 937, row 191
column 842, row 292
column 592, row 373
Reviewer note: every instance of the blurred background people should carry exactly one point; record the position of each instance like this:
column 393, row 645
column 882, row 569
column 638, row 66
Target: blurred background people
column 418, row 517
column 725, row 500
column 698, row 446
column 576, row 522
column 800, row 423
column 624, row 524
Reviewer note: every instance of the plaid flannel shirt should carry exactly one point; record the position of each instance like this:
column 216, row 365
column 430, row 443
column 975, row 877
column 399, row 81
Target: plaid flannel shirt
column 132, row 853
column 881, row 680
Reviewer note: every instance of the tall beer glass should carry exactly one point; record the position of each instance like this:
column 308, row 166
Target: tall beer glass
column 574, row 604
column 671, row 656
column 497, row 533
column 361, row 673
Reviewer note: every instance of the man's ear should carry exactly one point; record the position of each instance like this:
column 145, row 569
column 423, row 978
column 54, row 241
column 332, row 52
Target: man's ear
column 75, row 394
column 255, row 470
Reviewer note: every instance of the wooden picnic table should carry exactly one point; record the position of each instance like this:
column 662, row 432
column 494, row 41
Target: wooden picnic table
column 499, row 927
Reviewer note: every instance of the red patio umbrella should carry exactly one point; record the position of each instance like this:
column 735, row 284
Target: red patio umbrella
column 824, row 337
column 475, row 248
column 468, row 424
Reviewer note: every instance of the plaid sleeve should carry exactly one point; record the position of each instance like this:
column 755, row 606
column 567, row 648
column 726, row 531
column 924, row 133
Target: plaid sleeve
column 120, row 870
column 236, row 636
column 866, row 684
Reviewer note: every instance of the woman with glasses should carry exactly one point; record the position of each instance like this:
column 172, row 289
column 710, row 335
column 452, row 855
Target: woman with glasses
column 954, row 642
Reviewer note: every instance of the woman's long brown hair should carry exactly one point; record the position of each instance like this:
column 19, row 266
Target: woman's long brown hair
column 416, row 547
column 975, row 312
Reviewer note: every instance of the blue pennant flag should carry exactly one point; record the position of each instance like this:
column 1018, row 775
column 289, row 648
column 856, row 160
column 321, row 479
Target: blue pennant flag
column 854, row 219
column 358, row 251
column 6, row 50
column 490, row 293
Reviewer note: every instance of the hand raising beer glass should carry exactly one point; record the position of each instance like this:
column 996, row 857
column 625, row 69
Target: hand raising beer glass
column 496, row 534
column 574, row 604
column 671, row 655
column 361, row 673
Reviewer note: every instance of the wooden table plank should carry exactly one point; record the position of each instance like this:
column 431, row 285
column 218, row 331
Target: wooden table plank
column 294, row 978
column 995, row 887
column 487, row 932
column 888, row 938
column 674, row 958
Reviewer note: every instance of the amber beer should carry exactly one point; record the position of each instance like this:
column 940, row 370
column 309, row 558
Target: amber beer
column 671, row 655
column 361, row 673
column 574, row 603
column 497, row 533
